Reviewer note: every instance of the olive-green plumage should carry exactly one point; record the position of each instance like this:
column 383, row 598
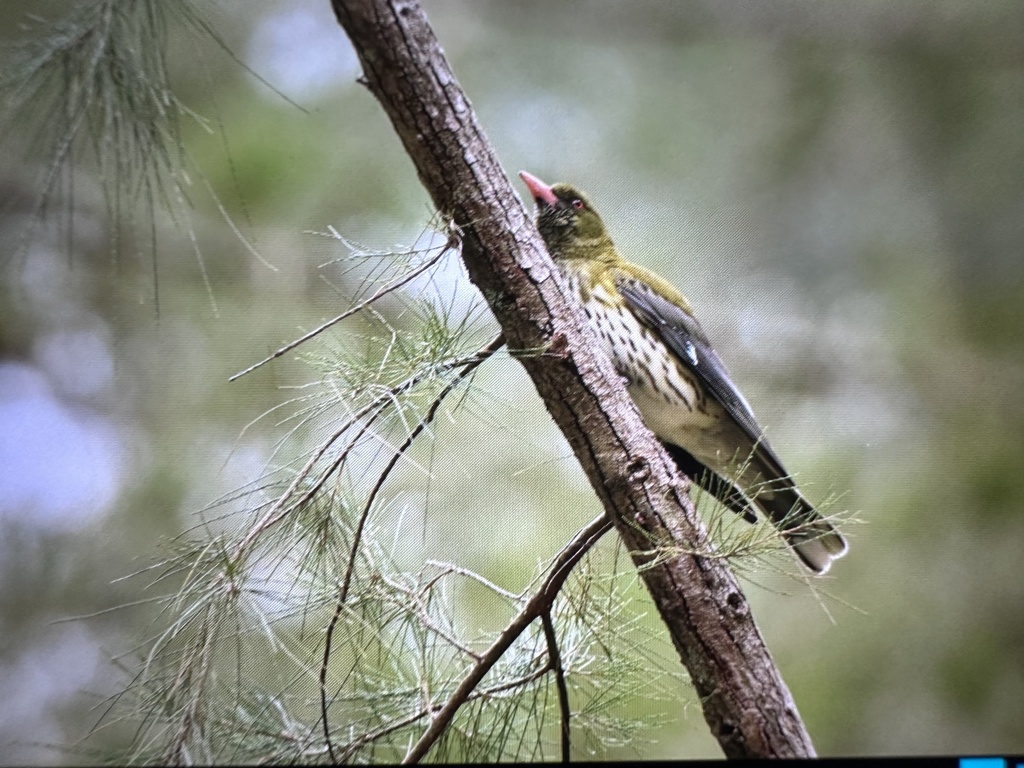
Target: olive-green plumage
column 679, row 383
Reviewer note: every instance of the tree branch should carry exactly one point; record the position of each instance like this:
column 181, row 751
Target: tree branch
column 745, row 701
column 537, row 606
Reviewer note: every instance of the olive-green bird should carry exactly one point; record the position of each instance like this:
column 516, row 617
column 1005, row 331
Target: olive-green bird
column 679, row 383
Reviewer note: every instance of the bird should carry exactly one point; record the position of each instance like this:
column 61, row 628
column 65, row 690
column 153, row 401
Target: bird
column 680, row 385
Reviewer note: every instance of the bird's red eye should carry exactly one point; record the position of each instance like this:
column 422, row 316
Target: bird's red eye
column 578, row 204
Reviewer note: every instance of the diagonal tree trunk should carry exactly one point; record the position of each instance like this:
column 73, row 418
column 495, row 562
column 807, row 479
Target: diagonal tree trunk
column 746, row 703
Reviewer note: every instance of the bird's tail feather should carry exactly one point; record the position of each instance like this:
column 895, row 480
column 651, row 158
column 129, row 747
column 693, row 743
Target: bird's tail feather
column 814, row 539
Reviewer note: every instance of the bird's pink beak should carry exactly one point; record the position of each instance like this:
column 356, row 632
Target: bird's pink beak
column 538, row 188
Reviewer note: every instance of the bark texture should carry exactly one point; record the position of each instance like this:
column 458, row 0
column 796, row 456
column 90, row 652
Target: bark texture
column 745, row 701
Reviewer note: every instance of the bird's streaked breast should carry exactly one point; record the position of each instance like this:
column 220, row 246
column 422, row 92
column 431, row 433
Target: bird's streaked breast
column 670, row 400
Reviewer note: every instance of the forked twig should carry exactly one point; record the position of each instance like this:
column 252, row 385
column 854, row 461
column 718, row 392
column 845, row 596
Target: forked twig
column 537, row 606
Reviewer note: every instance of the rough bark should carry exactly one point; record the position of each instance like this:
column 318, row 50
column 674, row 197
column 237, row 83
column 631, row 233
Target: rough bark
column 745, row 701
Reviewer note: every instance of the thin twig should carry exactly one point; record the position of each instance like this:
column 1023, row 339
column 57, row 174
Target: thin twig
column 449, row 568
column 338, row 607
column 536, row 606
column 555, row 664
column 393, row 285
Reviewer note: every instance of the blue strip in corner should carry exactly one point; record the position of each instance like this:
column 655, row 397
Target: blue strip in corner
column 982, row 762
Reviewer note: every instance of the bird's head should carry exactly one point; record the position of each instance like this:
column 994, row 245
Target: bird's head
column 568, row 222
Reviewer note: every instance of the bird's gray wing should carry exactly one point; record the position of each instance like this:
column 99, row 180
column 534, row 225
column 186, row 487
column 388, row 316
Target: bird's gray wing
column 682, row 334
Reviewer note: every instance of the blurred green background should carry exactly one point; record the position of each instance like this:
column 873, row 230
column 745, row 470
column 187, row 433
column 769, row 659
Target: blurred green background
column 838, row 187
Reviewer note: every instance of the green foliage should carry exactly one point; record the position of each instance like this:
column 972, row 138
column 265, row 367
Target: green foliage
column 97, row 80
column 293, row 591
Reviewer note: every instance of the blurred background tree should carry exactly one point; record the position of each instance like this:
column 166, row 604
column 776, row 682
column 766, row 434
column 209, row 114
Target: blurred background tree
column 837, row 187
